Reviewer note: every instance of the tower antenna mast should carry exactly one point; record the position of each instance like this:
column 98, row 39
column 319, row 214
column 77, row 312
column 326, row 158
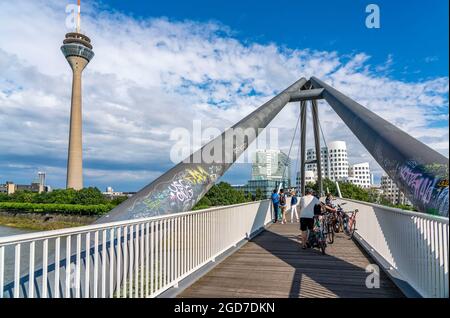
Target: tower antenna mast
column 78, row 17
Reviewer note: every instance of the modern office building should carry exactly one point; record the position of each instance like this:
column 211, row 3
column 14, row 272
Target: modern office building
column 270, row 164
column 266, row 187
column 77, row 49
column 360, row 175
column 268, row 168
column 334, row 161
column 391, row 192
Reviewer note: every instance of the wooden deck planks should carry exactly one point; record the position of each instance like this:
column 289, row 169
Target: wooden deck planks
column 274, row 265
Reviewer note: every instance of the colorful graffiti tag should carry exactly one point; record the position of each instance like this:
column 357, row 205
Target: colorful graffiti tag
column 421, row 185
column 426, row 189
column 178, row 194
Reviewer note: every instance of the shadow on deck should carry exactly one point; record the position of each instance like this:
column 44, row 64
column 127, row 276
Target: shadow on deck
column 274, row 265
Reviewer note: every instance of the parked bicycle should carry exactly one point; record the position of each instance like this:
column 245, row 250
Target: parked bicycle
column 328, row 222
column 339, row 220
column 349, row 222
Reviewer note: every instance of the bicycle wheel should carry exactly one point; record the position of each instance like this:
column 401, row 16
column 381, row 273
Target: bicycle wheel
column 330, row 233
column 338, row 225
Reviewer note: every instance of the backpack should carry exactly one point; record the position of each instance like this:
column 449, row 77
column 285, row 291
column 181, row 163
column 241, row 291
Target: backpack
column 317, row 209
column 294, row 200
column 283, row 199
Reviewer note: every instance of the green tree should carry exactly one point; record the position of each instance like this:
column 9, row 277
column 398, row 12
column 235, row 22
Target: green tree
column 23, row 196
column 89, row 196
column 222, row 194
column 119, row 200
column 259, row 195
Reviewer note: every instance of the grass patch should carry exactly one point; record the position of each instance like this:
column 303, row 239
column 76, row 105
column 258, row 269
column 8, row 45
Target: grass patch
column 40, row 224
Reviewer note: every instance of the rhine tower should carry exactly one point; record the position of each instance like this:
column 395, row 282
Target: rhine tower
column 77, row 49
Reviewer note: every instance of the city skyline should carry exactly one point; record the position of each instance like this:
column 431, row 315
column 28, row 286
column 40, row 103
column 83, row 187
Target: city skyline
column 126, row 140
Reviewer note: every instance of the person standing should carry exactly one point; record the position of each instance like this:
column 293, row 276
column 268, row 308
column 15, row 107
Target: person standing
column 283, row 199
column 307, row 204
column 294, row 203
column 275, row 202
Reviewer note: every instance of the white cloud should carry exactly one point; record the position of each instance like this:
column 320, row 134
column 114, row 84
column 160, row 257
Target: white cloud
column 150, row 76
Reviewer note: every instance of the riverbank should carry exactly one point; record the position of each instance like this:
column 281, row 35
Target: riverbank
column 43, row 222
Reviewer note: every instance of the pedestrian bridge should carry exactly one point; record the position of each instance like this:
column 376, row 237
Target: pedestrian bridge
column 151, row 245
column 231, row 251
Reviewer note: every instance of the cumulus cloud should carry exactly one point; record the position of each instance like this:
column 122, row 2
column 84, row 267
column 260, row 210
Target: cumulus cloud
column 151, row 76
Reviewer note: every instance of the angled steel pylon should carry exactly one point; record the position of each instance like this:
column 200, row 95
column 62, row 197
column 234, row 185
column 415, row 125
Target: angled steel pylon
column 419, row 171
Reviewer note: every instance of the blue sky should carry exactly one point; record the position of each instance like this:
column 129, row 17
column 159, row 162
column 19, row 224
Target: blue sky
column 413, row 32
column 210, row 61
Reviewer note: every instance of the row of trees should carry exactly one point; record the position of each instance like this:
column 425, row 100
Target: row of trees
column 86, row 196
column 223, row 194
column 351, row 191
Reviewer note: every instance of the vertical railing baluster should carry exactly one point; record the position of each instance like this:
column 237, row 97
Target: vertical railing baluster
column 68, row 265
column 136, row 262
column 177, row 247
column 78, row 268
column 16, row 271
column 157, row 255
column 171, row 249
column 142, row 255
column 160, row 258
column 441, row 261
column 57, row 266
column 131, row 263
column 185, row 236
column 45, row 269
column 111, row 262
column 87, row 260
column 445, row 259
column 164, row 282
column 2, row 269
column 30, row 272
column 125, row 260
column 119, row 263
column 95, row 293
column 103, row 263
column 147, row 257
column 152, row 258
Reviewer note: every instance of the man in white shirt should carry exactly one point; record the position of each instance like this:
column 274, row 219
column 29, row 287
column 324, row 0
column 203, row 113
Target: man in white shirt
column 307, row 204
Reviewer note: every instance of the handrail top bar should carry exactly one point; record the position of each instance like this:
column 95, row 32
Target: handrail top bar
column 21, row 238
column 439, row 218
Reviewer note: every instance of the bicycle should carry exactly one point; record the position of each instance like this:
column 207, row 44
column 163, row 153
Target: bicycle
column 328, row 221
column 339, row 222
column 316, row 237
column 349, row 223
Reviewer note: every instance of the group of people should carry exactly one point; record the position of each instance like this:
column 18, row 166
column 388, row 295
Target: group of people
column 306, row 209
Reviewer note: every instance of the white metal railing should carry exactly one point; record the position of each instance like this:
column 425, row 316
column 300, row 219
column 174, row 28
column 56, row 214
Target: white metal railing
column 135, row 258
column 415, row 245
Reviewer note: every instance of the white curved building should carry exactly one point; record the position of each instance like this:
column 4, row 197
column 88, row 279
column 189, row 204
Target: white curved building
column 360, row 175
column 334, row 161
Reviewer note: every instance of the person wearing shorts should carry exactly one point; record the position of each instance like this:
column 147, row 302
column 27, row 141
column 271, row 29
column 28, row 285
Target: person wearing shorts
column 307, row 203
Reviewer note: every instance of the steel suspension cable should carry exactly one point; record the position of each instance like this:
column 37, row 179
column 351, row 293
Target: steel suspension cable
column 290, row 148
